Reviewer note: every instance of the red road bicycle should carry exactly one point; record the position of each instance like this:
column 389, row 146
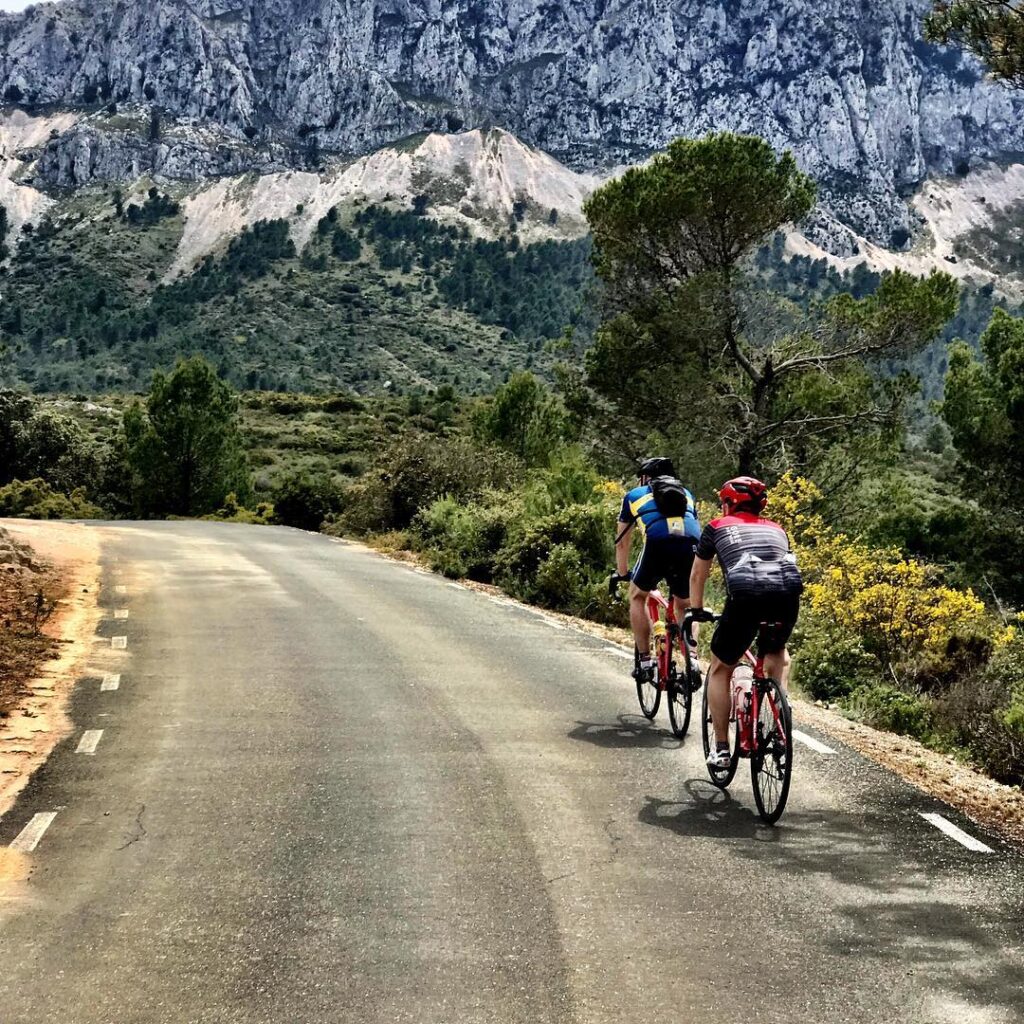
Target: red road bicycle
column 678, row 685
column 760, row 728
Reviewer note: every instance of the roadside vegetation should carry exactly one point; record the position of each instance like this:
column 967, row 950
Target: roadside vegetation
column 907, row 517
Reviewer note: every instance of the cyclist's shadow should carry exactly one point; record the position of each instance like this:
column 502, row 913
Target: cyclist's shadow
column 630, row 731
column 710, row 812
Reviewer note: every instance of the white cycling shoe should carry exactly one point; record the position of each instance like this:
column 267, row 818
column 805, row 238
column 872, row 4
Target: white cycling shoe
column 720, row 759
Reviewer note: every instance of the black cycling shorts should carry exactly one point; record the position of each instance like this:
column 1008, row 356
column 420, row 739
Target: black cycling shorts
column 742, row 620
column 665, row 558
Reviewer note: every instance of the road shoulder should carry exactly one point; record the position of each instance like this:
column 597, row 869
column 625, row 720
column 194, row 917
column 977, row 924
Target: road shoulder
column 39, row 720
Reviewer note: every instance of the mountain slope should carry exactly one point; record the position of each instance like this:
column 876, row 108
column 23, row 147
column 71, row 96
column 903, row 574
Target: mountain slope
column 374, row 298
column 480, row 180
column 869, row 109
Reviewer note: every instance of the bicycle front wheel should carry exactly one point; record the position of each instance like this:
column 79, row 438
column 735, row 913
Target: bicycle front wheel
column 771, row 763
column 721, row 777
column 679, row 694
column 647, row 692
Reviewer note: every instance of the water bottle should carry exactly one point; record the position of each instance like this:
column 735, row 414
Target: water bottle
column 742, row 685
column 659, row 641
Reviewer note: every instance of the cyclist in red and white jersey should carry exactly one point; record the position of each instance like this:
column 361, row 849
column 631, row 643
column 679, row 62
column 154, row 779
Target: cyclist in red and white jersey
column 763, row 587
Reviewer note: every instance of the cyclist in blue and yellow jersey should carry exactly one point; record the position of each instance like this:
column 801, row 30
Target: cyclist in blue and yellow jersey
column 666, row 515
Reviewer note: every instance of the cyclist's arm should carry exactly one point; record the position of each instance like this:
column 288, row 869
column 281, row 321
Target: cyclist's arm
column 623, row 537
column 698, row 578
column 703, row 557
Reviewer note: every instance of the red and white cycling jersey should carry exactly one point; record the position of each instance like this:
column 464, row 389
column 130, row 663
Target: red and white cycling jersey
column 755, row 554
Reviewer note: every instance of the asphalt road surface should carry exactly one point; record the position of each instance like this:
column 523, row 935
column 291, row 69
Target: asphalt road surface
column 328, row 788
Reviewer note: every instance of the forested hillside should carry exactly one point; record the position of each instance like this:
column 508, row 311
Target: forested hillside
column 378, row 299
column 381, row 298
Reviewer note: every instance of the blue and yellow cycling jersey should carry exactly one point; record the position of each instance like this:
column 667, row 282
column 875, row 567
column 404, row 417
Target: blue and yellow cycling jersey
column 638, row 507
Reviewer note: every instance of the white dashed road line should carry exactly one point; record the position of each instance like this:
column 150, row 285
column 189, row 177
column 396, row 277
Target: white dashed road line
column 120, row 613
column 110, row 682
column 119, row 643
column 28, row 838
column 809, row 741
column 89, row 741
column 553, row 623
column 956, row 833
column 615, row 649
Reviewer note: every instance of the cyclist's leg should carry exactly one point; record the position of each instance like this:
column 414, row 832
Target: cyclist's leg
column 639, row 619
column 719, row 698
column 678, row 577
column 776, row 666
column 734, row 633
column 781, row 614
column 646, row 574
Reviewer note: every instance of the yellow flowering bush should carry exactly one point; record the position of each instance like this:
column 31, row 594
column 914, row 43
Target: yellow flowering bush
column 898, row 607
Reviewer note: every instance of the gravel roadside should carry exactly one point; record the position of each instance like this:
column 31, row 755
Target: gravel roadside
column 41, row 660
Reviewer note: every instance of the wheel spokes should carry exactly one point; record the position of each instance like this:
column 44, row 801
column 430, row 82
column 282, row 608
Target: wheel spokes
column 772, row 753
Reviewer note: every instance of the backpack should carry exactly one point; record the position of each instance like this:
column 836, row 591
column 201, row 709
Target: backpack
column 670, row 497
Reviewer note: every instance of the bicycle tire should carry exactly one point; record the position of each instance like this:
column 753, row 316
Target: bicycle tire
column 720, row 777
column 771, row 763
column 644, row 690
column 679, row 695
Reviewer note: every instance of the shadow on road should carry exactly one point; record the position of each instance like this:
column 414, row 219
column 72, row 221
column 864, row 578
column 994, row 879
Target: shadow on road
column 710, row 812
column 892, row 893
column 629, row 732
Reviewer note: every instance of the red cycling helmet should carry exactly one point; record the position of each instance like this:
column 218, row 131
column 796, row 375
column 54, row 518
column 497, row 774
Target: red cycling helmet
column 745, row 494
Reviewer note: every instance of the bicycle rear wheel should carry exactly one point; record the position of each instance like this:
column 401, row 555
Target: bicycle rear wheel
column 771, row 763
column 679, row 695
column 647, row 691
column 721, row 777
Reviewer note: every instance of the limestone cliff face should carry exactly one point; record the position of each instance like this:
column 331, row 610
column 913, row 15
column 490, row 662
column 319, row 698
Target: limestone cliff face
column 868, row 108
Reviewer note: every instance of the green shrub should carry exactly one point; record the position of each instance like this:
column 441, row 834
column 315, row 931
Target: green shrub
column 305, row 501
column 464, row 540
column 586, row 527
column 828, row 664
column 559, row 559
column 890, row 708
column 363, row 508
column 524, row 418
column 598, row 605
column 561, row 580
column 39, row 443
column 417, row 470
column 570, row 480
column 233, row 512
column 984, row 713
column 35, row 499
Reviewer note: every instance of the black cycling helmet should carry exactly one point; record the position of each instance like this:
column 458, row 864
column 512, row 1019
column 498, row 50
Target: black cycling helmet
column 656, row 467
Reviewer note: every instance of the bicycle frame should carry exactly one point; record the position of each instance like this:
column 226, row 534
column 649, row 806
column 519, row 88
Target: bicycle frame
column 747, row 742
column 657, row 605
column 767, row 746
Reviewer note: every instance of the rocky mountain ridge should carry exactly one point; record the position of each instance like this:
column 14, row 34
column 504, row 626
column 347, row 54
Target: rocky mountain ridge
column 269, row 85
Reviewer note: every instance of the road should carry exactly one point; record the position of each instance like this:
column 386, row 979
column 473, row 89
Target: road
column 328, row 788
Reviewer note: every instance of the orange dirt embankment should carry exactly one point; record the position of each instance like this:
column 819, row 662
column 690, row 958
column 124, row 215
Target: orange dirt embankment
column 39, row 666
